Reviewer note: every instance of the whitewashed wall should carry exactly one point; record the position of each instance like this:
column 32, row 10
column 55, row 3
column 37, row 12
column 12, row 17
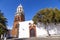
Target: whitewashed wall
column 52, row 28
column 41, row 32
column 40, row 29
column 24, row 29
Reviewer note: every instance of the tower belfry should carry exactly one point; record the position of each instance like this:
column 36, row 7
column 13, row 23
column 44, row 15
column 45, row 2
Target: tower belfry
column 20, row 14
column 19, row 17
column 20, row 8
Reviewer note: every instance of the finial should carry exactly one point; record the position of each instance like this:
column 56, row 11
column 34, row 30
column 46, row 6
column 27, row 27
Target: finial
column 20, row 5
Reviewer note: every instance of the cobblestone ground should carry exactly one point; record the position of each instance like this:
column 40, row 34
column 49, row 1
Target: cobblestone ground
column 39, row 38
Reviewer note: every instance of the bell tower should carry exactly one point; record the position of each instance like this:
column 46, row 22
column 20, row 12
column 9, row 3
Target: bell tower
column 19, row 17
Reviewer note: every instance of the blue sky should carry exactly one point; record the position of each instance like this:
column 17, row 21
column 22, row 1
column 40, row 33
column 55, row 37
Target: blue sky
column 31, row 7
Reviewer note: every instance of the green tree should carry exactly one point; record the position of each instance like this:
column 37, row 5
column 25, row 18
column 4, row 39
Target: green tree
column 47, row 16
column 3, row 22
column 57, row 15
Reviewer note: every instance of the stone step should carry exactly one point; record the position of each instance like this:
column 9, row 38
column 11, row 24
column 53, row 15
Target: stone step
column 46, row 38
column 37, row 38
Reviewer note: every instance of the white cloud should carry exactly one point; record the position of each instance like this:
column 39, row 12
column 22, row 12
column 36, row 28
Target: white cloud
column 9, row 27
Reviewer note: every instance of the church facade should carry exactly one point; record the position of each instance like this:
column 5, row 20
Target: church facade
column 28, row 29
column 25, row 29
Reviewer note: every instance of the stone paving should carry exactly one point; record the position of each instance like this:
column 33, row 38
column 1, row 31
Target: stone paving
column 37, row 38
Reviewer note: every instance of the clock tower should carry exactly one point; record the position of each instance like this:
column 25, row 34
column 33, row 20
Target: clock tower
column 19, row 17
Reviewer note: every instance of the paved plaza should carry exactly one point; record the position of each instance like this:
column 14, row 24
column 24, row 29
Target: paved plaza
column 38, row 38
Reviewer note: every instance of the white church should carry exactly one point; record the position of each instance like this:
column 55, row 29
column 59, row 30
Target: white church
column 27, row 29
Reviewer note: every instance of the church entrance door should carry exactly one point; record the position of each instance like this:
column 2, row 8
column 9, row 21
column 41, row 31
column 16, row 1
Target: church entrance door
column 32, row 32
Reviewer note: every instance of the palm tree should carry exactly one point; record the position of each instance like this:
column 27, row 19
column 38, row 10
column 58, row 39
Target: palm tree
column 3, row 22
